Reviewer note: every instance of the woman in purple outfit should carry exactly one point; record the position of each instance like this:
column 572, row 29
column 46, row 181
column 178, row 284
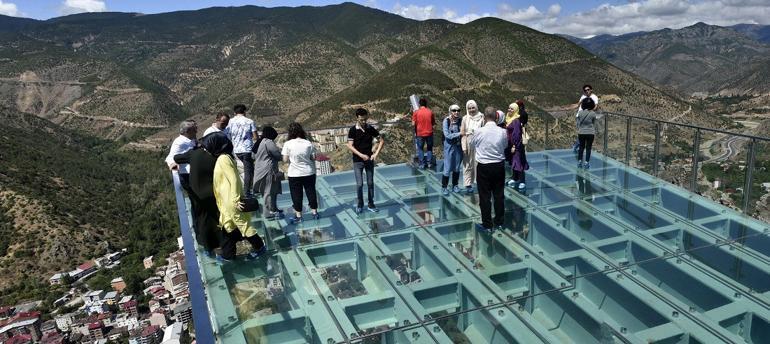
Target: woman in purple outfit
column 519, row 163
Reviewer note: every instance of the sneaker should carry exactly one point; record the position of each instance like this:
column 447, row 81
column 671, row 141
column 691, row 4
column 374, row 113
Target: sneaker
column 359, row 210
column 316, row 216
column 580, row 164
column 511, row 183
column 499, row 227
column 222, row 260
column 254, row 254
column 522, row 186
column 274, row 215
column 295, row 220
column 372, row 209
column 587, row 165
column 444, row 191
column 424, row 167
column 481, row 228
column 456, row 189
column 469, row 190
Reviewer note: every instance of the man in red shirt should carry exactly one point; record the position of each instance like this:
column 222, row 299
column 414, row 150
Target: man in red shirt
column 423, row 130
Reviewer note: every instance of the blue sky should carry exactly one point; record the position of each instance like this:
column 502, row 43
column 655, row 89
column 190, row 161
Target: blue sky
column 579, row 18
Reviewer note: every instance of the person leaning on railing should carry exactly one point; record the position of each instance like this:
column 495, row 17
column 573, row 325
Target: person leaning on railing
column 201, row 194
column 228, row 189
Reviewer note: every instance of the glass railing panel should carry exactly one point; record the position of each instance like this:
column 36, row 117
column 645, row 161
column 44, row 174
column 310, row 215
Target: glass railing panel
column 759, row 201
column 615, row 137
column 676, row 152
column 642, row 148
column 723, row 169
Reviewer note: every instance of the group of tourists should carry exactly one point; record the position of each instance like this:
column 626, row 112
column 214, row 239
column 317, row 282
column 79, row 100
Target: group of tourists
column 484, row 144
column 223, row 171
column 481, row 144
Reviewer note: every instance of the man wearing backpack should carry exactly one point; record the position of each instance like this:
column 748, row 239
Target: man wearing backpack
column 453, row 151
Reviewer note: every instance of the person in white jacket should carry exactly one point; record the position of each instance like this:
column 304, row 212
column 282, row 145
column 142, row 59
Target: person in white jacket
column 472, row 121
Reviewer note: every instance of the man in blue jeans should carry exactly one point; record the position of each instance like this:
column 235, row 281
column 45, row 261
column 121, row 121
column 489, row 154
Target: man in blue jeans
column 361, row 141
column 424, row 121
column 242, row 132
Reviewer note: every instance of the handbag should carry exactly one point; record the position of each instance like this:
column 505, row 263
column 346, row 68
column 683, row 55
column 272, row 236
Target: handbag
column 249, row 204
column 524, row 135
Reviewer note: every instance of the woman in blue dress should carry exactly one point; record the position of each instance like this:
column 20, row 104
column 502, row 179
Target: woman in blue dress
column 453, row 152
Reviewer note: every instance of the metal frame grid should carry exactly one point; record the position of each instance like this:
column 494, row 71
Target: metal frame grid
column 609, row 254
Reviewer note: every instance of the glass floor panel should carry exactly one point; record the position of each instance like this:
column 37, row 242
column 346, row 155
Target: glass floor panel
column 606, row 255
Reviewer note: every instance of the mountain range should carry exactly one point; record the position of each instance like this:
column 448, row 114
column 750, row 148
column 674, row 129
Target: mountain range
column 93, row 101
column 700, row 59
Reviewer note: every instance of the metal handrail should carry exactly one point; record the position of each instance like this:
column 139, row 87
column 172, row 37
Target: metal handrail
column 699, row 130
column 691, row 126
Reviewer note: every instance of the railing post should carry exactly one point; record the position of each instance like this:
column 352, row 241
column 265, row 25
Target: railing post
column 545, row 143
column 606, row 134
column 695, row 149
column 749, row 175
column 628, row 140
column 656, row 150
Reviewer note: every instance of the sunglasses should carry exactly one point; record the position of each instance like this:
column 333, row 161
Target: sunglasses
column 587, row 90
column 455, row 110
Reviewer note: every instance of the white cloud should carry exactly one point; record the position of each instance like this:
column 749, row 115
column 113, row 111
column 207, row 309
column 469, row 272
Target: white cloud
column 658, row 14
column 9, row 9
column 79, row 6
column 433, row 12
column 631, row 16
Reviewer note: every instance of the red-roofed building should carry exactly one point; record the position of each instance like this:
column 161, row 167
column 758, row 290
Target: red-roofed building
column 89, row 265
column 130, row 307
column 53, row 338
column 6, row 312
column 323, row 164
column 22, row 323
column 19, row 339
column 149, row 335
column 96, row 331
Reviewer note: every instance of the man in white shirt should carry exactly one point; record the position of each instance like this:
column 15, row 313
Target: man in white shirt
column 490, row 142
column 220, row 123
column 242, row 132
column 186, row 141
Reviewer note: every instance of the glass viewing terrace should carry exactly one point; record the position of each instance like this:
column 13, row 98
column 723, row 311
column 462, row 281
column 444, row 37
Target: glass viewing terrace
column 606, row 255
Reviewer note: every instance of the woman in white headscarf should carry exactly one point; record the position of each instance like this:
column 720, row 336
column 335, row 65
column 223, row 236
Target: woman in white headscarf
column 472, row 121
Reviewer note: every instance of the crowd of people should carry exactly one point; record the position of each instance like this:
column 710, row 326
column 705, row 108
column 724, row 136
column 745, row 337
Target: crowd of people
column 223, row 171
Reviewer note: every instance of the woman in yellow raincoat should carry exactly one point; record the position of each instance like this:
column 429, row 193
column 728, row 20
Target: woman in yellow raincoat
column 228, row 189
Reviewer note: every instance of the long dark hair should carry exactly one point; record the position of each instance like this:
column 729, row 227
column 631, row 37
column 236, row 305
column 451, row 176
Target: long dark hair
column 523, row 115
column 295, row 131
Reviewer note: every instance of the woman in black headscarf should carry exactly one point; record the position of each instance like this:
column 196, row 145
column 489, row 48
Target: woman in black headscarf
column 266, row 174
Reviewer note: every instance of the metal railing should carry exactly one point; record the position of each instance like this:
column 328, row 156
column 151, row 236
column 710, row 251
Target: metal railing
column 657, row 127
column 204, row 332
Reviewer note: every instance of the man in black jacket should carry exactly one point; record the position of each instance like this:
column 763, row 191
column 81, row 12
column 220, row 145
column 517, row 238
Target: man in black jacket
column 206, row 214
